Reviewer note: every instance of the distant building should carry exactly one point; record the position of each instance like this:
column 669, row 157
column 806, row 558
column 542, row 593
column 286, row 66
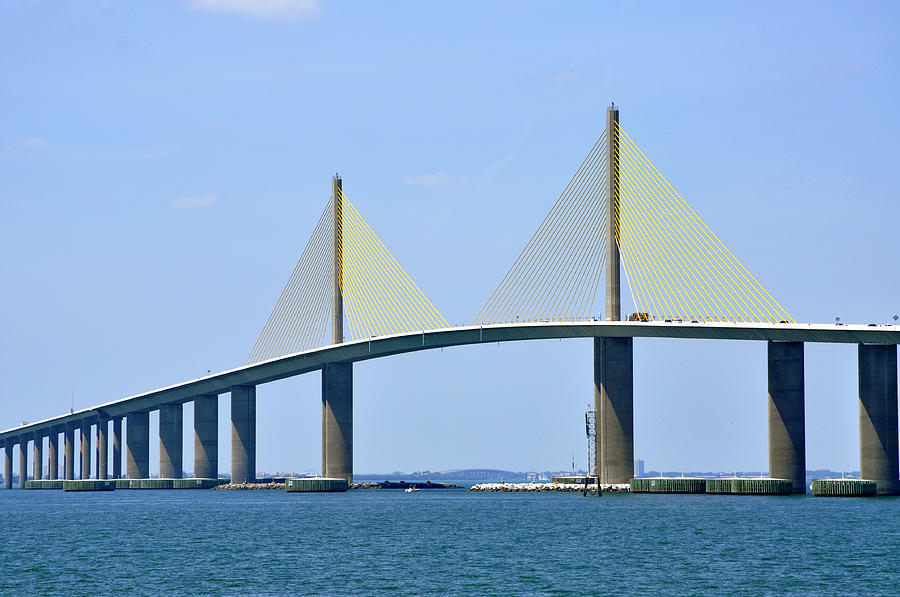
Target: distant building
column 638, row 468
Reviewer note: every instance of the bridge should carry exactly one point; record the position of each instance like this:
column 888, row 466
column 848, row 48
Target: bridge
column 617, row 214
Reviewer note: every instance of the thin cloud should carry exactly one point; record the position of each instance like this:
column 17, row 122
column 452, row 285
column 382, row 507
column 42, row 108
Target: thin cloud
column 29, row 148
column 265, row 10
column 496, row 167
column 436, row 179
column 839, row 68
column 36, row 143
column 194, row 201
column 567, row 75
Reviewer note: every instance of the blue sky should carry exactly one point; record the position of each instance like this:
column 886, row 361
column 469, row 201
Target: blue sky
column 163, row 163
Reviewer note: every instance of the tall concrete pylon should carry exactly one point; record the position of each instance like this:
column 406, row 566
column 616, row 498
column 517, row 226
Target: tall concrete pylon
column 337, row 262
column 337, row 378
column 613, row 357
column 613, row 292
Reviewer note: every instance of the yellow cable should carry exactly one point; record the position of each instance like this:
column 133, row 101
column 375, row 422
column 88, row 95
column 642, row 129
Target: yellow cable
column 376, row 318
column 411, row 317
column 525, row 300
column 733, row 260
column 577, row 262
column 278, row 342
column 699, row 258
column 405, row 286
column 665, row 201
column 666, row 245
column 666, row 299
column 673, row 275
column 632, row 252
column 629, row 261
column 565, row 257
column 660, row 282
column 400, row 294
column 740, row 292
column 492, row 310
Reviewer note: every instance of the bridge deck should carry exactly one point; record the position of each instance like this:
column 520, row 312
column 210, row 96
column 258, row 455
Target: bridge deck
column 311, row 360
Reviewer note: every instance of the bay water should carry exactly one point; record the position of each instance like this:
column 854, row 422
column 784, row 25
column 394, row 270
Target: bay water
column 386, row 542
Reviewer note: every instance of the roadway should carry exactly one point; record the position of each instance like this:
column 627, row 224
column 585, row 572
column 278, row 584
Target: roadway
column 382, row 346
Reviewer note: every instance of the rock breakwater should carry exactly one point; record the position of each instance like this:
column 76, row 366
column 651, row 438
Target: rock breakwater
column 549, row 487
column 251, row 486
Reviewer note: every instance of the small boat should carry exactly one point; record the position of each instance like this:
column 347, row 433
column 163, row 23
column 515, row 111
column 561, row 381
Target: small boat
column 411, row 489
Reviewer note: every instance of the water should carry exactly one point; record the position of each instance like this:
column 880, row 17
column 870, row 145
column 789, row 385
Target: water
column 444, row 542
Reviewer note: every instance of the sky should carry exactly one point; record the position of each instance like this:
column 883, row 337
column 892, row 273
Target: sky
column 162, row 165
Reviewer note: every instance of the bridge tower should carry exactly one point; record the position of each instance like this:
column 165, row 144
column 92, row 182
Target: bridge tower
column 613, row 357
column 337, row 378
column 337, row 261
column 613, row 294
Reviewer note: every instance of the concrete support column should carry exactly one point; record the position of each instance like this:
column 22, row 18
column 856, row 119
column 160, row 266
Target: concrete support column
column 37, row 463
column 7, row 465
column 117, row 448
column 337, row 420
column 206, row 436
column 53, row 455
column 171, row 434
column 614, row 403
column 787, row 422
column 69, row 452
column 243, row 434
column 102, row 447
column 23, row 462
column 137, row 447
column 85, row 450
column 878, row 448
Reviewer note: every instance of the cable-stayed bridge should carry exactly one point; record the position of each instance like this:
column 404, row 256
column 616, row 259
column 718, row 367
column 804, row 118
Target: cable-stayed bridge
column 348, row 300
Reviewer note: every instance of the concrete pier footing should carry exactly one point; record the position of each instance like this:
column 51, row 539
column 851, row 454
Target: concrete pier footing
column 787, row 428
column 243, row 434
column 137, row 448
column 53, row 456
column 668, row 485
column 102, row 447
column 315, row 485
column 85, row 445
column 844, row 488
column 89, row 485
column 206, row 436
column 7, row 465
column 171, row 440
column 69, row 452
column 749, row 486
column 117, row 448
column 23, row 462
column 37, row 463
column 614, row 403
column 878, row 447
column 337, row 421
